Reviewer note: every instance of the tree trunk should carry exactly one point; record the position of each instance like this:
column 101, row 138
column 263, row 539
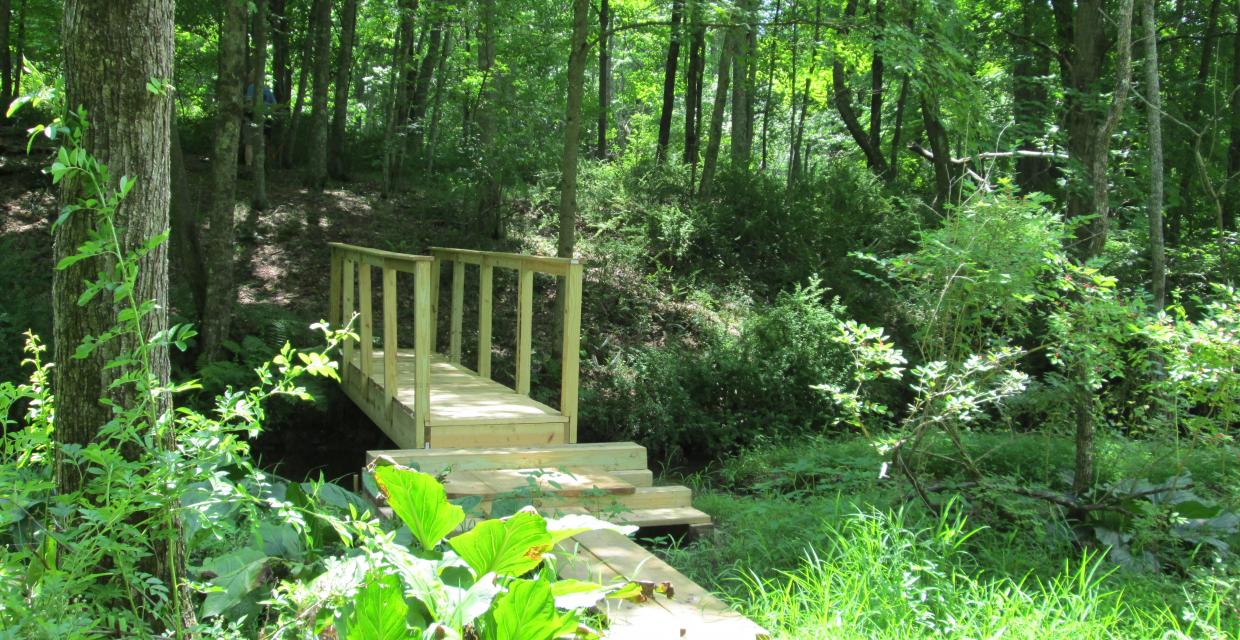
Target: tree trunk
column 441, row 82
column 220, row 248
column 939, row 145
column 604, row 75
column 1200, row 92
column 337, row 159
column 876, row 85
column 422, row 87
column 768, row 103
column 693, row 87
column 393, row 138
column 669, row 84
column 281, row 70
column 1030, row 102
column 1153, row 96
column 897, row 132
column 19, row 59
column 567, row 244
column 1232, row 211
column 184, row 246
column 741, row 143
column 716, row 114
column 316, row 173
column 6, row 58
column 288, row 142
column 797, row 133
column 490, row 193
column 111, row 51
column 843, row 103
column 258, row 128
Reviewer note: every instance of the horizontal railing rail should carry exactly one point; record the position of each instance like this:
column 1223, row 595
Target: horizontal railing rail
column 570, row 269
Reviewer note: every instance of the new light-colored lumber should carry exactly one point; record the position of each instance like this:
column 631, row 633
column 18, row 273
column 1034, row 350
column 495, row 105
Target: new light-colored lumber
column 525, row 329
column 347, row 311
column 570, row 349
column 390, row 348
column 366, row 330
column 333, row 294
column 458, row 312
column 485, row 304
column 604, row 456
column 559, row 483
column 422, row 341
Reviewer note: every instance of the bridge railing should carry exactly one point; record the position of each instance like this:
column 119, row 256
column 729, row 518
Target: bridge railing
column 570, row 269
column 350, row 292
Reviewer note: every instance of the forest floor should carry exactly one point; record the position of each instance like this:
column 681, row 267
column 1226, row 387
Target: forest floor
column 809, row 543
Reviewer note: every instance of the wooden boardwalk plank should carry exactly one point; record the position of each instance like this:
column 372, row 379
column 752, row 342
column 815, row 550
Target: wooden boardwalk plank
column 601, row 456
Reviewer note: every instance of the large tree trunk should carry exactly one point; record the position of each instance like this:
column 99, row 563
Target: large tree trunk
column 669, row 84
column 220, row 248
column 1153, row 96
column 258, row 128
column 112, row 50
column 6, row 58
column 741, row 142
column 567, row 244
column 944, row 194
column 316, row 170
column 723, row 77
column 337, row 159
column 604, row 76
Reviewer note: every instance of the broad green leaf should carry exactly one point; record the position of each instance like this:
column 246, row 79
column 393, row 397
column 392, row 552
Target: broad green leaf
column 527, row 612
column 577, row 594
column 509, row 547
column 463, row 606
column 570, row 525
column 378, row 612
column 235, row 575
column 421, row 502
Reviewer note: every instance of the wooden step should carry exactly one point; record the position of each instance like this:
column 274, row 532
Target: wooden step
column 489, row 484
column 603, row 456
column 658, row 517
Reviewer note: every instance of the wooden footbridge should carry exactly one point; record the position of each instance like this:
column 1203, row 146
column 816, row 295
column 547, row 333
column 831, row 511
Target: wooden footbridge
column 497, row 443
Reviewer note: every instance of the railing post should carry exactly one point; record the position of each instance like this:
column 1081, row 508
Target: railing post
column 333, row 294
column 434, row 308
column 390, row 345
column 422, row 336
column 570, row 350
column 346, row 313
column 485, row 300
column 458, row 311
column 525, row 334
column 367, row 319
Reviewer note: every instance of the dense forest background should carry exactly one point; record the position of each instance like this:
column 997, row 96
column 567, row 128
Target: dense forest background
column 1036, row 201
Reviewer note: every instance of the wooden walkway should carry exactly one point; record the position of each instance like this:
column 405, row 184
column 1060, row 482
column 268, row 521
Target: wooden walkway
column 498, row 444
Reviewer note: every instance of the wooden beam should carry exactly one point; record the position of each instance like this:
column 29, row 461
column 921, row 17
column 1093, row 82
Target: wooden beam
column 458, row 312
column 485, row 302
column 434, row 309
column 367, row 320
column 540, row 264
column 333, row 294
column 347, row 314
column 602, row 456
column 422, row 341
column 525, row 329
column 570, row 350
column 390, row 344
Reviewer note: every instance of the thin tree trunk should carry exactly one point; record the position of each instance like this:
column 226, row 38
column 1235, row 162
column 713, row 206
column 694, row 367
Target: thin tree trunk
column 1153, row 96
column 185, row 247
column 604, row 75
column 337, row 159
column 876, row 84
column 220, row 248
column 1200, row 94
column 6, row 57
column 19, row 59
column 693, row 88
column 281, row 70
column 768, row 105
column 258, row 128
column 1030, row 102
column 441, row 82
column 798, row 133
column 393, row 136
column 939, row 145
column 111, row 51
column 490, row 192
column 669, row 84
column 1232, row 211
column 289, row 142
column 567, row 244
column 716, row 115
column 897, row 132
column 422, row 88
column 741, row 142
column 316, row 174
column 843, row 103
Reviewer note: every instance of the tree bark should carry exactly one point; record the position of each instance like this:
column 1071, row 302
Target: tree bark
column 768, row 103
column 1153, row 96
column 19, row 59
column 6, row 58
column 393, row 138
column 337, row 159
column 897, row 132
column 220, row 248
column 184, row 246
column 567, row 244
column 604, row 76
column 716, row 115
column 316, row 172
column 669, row 84
column 441, row 82
column 876, row 85
column 422, row 88
column 490, row 192
column 111, row 51
column 797, row 133
column 843, row 103
column 258, row 128
column 939, row 145
column 1030, row 102
column 693, row 87
column 1200, row 93
column 741, row 142
column 288, row 142
column 1232, row 211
